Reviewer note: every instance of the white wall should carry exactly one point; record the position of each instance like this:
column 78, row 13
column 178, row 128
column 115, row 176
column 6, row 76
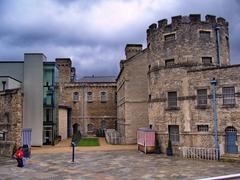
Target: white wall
column 10, row 83
column 33, row 96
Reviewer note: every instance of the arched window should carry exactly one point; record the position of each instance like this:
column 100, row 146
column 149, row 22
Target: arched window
column 90, row 127
column 6, row 118
column 75, row 96
column 103, row 97
column 103, row 124
column 89, row 97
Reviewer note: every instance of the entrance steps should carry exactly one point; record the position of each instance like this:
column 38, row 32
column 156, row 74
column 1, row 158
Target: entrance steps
column 230, row 158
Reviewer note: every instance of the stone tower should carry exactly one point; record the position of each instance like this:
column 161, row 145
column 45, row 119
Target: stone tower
column 188, row 40
column 65, row 73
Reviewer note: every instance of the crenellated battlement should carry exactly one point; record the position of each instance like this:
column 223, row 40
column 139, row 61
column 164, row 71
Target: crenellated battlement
column 189, row 39
column 191, row 19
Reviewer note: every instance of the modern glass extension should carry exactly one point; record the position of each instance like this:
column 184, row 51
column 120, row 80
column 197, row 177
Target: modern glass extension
column 50, row 115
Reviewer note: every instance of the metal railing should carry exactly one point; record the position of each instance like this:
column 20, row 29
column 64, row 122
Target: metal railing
column 200, row 153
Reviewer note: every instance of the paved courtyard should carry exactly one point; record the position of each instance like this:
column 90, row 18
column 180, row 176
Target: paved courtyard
column 107, row 165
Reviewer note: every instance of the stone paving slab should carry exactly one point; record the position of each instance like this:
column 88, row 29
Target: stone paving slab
column 113, row 165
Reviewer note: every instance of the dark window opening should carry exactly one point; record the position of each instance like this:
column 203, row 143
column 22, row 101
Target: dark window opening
column 169, row 37
column 172, row 99
column 202, row 128
column 3, row 85
column 207, row 60
column 205, row 35
column 169, row 62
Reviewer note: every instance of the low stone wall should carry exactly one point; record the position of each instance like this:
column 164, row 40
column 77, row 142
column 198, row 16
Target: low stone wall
column 6, row 148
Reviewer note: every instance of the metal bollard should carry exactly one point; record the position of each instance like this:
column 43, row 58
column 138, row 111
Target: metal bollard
column 73, row 150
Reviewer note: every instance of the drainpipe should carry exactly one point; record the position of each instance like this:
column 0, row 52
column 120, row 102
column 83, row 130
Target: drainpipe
column 217, row 29
column 215, row 117
column 83, row 109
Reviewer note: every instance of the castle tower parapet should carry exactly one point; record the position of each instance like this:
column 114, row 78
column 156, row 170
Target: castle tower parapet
column 188, row 39
column 65, row 69
column 132, row 49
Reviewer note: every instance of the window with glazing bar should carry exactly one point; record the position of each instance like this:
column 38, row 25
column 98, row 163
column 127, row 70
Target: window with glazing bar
column 89, row 97
column 202, row 128
column 201, row 97
column 174, row 133
column 172, row 99
column 228, row 95
column 75, row 96
column 103, row 96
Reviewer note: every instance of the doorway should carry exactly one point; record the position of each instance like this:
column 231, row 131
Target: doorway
column 231, row 139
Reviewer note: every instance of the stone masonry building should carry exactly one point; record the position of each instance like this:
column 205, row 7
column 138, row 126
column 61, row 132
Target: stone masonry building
column 132, row 92
column 182, row 59
column 11, row 120
column 89, row 103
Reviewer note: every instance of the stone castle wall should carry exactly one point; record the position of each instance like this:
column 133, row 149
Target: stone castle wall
column 11, row 119
column 89, row 115
column 132, row 92
column 182, row 41
column 187, row 115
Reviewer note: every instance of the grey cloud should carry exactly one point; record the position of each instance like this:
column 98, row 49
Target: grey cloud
column 93, row 38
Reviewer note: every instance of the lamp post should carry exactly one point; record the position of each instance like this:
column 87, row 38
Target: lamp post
column 215, row 118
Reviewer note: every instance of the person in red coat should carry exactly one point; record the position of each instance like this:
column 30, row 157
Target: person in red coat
column 19, row 156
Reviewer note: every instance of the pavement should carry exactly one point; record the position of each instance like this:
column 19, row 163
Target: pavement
column 65, row 146
column 110, row 164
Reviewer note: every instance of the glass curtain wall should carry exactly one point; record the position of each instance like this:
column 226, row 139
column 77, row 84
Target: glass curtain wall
column 50, row 105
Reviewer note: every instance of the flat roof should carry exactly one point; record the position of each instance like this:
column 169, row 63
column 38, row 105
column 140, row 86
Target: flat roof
column 98, row 79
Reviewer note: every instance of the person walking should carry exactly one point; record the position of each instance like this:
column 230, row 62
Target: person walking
column 19, row 156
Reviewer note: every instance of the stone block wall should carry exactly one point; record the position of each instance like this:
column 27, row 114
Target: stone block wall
column 182, row 41
column 132, row 96
column 93, row 115
column 187, row 115
column 11, row 117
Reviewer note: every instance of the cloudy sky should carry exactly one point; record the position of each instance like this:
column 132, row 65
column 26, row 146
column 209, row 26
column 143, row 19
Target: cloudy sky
column 93, row 33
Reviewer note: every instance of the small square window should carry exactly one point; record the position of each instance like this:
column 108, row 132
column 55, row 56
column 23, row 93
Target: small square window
column 169, row 37
column 169, row 62
column 207, row 60
column 202, row 128
column 205, row 35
